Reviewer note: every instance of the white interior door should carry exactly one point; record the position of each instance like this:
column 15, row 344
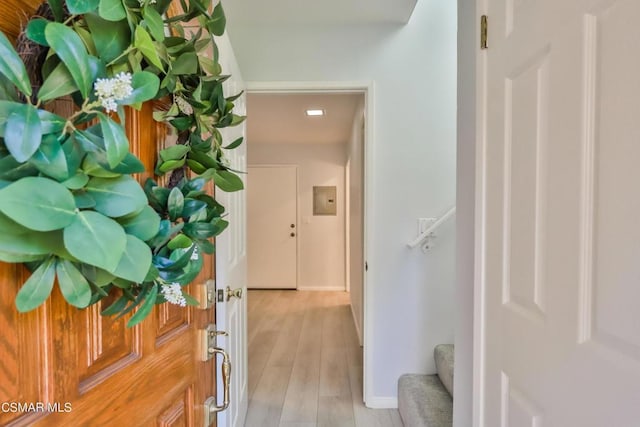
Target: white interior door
column 559, row 202
column 272, row 193
column 231, row 261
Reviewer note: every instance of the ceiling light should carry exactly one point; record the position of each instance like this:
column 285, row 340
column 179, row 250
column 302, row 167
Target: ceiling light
column 315, row 112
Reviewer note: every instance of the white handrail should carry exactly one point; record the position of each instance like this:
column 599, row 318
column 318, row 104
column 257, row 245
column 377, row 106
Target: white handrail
column 425, row 234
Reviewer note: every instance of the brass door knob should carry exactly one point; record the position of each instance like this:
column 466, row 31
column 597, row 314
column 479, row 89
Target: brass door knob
column 233, row 293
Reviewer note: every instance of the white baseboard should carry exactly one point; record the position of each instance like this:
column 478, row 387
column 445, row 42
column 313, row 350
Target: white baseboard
column 321, row 288
column 355, row 322
column 382, row 402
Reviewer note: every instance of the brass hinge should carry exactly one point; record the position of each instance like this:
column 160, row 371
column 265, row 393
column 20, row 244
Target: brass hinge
column 484, row 32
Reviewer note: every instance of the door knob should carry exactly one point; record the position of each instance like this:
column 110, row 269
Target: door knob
column 234, row 293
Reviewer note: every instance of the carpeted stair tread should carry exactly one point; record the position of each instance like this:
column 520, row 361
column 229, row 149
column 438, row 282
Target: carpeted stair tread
column 423, row 401
column 443, row 355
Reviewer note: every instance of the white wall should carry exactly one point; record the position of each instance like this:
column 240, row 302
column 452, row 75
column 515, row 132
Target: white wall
column 355, row 224
column 409, row 295
column 467, row 48
column 321, row 239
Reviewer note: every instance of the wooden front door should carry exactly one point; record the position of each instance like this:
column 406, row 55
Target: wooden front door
column 68, row 367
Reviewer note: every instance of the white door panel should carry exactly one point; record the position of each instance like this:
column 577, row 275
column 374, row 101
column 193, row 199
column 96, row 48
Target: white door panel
column 231, row 259
column 560, row 204
column 272, row 227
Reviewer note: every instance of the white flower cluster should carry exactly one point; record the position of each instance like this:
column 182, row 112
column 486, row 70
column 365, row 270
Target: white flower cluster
column 173, row 294
column 194, row 254
column 183, row 105
column 110, row 91
column 143, row 1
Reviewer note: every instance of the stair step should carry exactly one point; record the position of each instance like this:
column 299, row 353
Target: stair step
column 423, row 401
column 443, row 354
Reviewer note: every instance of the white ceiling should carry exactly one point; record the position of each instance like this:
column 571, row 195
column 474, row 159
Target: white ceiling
column 313, row 12
column 281, row 118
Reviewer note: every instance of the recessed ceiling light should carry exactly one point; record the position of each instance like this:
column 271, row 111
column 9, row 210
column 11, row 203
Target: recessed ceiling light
column 315, row 112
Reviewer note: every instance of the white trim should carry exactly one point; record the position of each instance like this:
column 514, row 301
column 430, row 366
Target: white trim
column 295, row 166
column 479, row 317
column 323, row 288
column 378, row 402
column 367, row 88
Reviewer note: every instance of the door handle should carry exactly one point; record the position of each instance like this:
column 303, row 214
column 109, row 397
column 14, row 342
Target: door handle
column 211, row 404
column 237, row 293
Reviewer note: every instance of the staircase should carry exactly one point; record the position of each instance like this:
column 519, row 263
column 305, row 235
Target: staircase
column 426, row 400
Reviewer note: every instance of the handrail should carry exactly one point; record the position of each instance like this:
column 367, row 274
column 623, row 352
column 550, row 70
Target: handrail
column 426, row 233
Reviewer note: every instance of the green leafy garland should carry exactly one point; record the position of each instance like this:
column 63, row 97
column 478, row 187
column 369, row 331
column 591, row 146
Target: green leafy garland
column 69, row 207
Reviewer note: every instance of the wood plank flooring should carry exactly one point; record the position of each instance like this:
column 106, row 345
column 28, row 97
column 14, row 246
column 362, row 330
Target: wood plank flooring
column 305, row 363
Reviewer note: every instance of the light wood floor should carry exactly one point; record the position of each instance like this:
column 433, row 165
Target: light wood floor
column 305, row 363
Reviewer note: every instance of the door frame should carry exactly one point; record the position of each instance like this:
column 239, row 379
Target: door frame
column 296, row 166
column 367, row 89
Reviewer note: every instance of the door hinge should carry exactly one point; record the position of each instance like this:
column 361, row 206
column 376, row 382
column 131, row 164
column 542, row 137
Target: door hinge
column 484, row 32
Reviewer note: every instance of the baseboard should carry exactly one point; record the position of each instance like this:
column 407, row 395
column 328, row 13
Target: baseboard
column 322, row 288
column 382, row 402
column 355, row 322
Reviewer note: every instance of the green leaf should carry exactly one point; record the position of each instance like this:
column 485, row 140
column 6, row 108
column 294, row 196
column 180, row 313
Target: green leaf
column 234, row 144
column 218, row 21
column 115, row 140
column 116, row 307
column 145, row 308
column 170, row 165
column 12, row 67
column 192, row 207
column 57, row 8
column 59, row 83
column 73, row 285
column 78, row 7
column 143, row 42
column 145, row 87
column 35, row 31
column 23, row 133
column 71, row 51
column 112, row 10
column 154, row 22
column 131, row 164
column 174, row 152
column 175, row 204
column 84, row 201
column 50, row 159
column 180, row 241
column 144, row 224
column 228, row 181
column 135, row 262
column 199, row 230
column 77, row 181
column 116, row 197
column 187, row 63
column 38, row 287
column 91, row 167
column 111, row 38
column 96, row 240
column 38, row 203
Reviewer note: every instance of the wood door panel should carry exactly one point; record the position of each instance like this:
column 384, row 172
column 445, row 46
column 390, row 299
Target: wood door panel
column 105, row 345
column 180, row 413
column 21, row 378
column 170, row 319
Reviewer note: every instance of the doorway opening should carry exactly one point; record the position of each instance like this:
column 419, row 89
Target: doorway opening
column 323, row 226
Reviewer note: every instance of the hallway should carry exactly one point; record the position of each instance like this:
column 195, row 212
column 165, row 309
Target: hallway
column 305, row 363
